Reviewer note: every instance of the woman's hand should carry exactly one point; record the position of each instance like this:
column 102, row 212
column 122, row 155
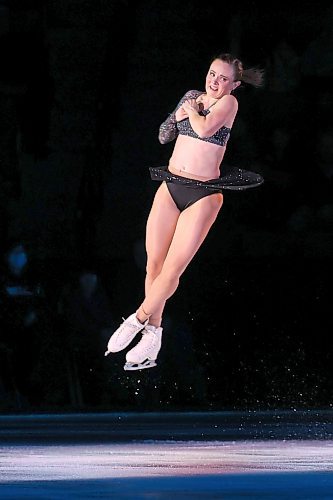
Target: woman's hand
column 181, row 114
column 191, row 105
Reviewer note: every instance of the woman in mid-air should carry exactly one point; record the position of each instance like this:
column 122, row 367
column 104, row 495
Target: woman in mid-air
column 188, row 201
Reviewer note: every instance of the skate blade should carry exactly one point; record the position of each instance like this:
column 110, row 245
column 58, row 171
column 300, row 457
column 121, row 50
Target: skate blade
column 139, row 366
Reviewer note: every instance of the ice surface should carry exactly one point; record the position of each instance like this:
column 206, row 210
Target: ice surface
column 142, row 469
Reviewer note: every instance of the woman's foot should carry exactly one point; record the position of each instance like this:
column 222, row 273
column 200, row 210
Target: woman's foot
column 124, row 335
column 144, row 354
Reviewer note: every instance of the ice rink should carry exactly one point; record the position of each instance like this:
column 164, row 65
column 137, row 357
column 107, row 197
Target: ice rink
column 167, row 455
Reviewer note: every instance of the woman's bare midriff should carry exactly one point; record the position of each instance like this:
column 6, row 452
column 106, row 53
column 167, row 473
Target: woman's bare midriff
column 196, row 159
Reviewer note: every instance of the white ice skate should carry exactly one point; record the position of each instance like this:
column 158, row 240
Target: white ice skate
column 124, row 335
column 144, row 354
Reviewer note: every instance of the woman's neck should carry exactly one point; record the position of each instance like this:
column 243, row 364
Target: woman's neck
column 208, row 101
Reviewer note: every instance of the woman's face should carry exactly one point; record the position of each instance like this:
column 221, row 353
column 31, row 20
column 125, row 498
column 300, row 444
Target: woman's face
column 220, row 79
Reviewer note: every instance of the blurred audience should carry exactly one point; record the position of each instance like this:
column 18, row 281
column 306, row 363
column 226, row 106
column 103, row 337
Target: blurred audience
column 23, row 314
column 284, row 132
column 85, row 309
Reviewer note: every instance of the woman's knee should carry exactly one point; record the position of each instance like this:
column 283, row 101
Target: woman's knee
column 171, row 274
column 153, row 268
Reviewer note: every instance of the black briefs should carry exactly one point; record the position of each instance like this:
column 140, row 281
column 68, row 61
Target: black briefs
column 185, row 196
column 186, row 191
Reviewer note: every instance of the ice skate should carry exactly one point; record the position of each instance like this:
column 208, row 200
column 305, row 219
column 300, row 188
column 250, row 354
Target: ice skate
column 144, row 354
column 124, row 335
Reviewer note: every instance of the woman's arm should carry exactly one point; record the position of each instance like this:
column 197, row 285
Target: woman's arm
column 168, row 129
column 206, row 126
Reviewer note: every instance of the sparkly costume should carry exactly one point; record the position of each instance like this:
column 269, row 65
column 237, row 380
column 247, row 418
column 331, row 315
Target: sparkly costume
column 186, row 191
column 220, row 138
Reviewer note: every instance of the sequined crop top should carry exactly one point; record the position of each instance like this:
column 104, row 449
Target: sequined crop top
column 220, row 137
column 170, row 128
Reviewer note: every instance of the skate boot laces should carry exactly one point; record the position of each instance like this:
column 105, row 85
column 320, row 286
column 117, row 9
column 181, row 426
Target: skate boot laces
column 124, row 334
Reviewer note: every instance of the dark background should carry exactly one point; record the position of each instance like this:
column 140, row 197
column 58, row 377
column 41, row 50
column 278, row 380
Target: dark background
column 84, row 86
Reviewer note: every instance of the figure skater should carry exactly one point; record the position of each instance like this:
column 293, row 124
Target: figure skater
column 189, row 199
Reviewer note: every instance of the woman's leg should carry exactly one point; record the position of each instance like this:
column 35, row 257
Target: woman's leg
column 160, row 228
column 192, row 228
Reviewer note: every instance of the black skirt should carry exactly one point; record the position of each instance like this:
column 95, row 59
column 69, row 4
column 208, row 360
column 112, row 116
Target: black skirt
column 233, row 178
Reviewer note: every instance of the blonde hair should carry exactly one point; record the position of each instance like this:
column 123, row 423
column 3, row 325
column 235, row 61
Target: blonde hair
column 254, row 76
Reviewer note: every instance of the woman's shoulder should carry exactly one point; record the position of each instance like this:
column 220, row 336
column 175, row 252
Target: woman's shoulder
column 228, row 101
